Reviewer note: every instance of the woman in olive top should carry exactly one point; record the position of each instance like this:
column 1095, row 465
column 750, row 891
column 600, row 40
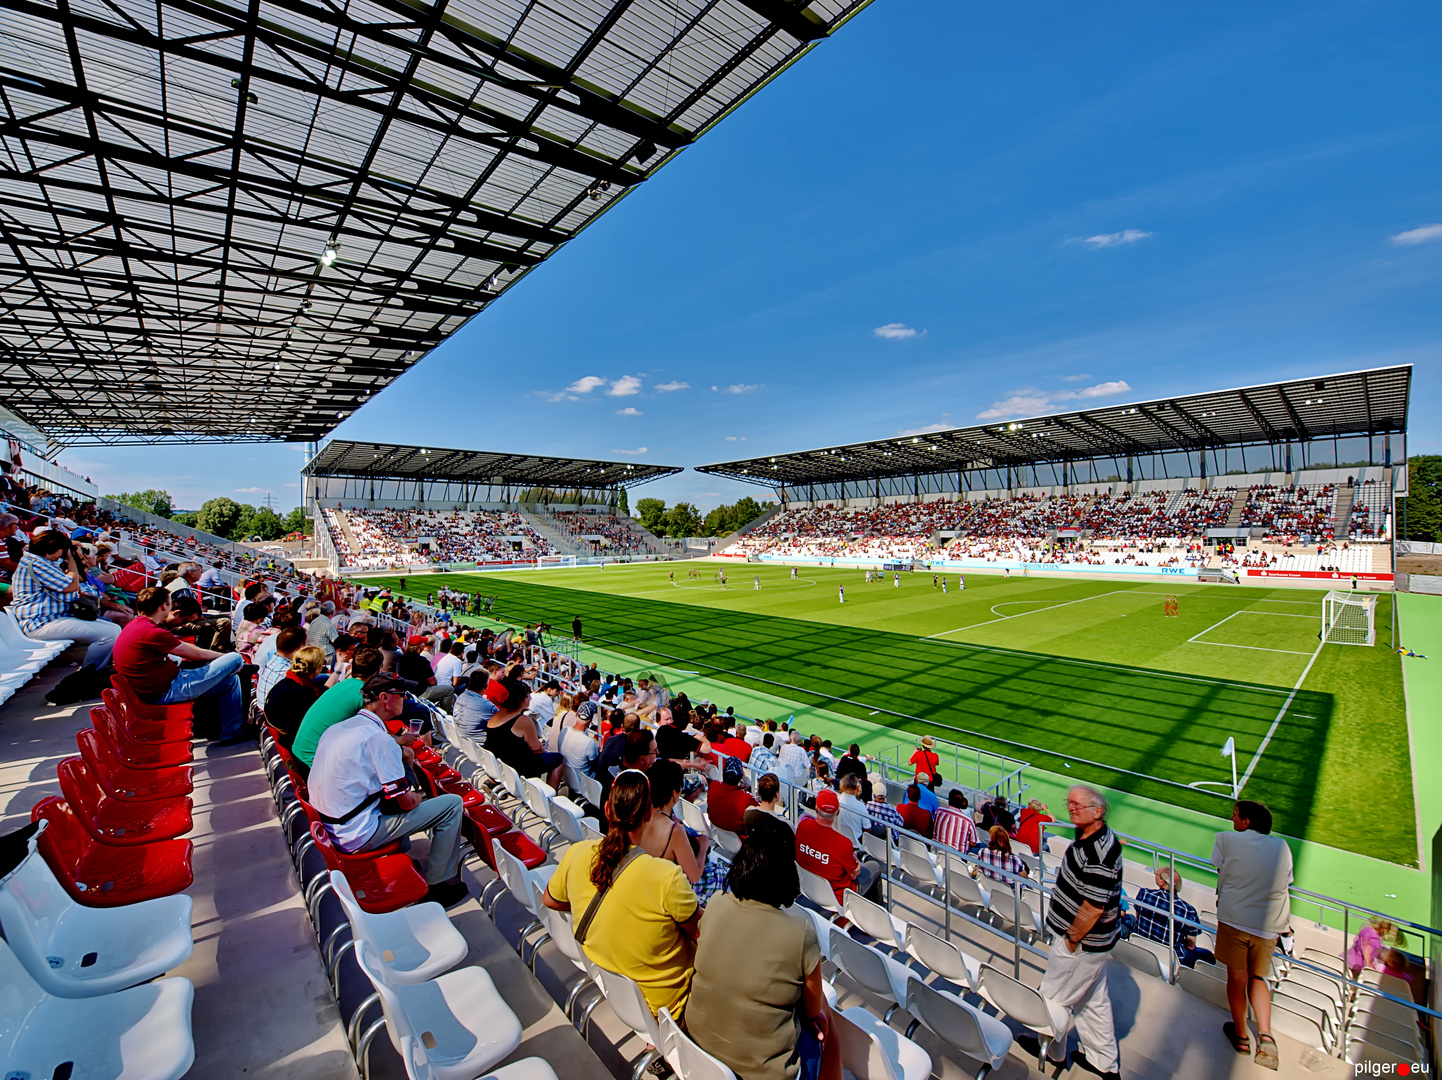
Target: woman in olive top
column 758, row 966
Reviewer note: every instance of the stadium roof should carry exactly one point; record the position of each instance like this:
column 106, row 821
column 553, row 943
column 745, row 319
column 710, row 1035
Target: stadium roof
column 384, row 461
column 1356, row 403
column 239, row 219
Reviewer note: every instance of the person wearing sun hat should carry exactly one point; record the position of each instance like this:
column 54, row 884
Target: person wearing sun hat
column 925, row 758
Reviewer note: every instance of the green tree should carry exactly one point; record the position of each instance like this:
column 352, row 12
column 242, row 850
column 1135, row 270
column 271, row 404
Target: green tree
column 719, row 522
column 185, row 517
column 621, row 501
column 219, row 516
column 683, row 520
column 652, row 515
column 297, row 521
column 1424, row 499
column 747, row 510
column 262, row 522
column 152, row 501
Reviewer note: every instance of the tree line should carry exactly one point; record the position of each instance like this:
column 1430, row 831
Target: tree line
column 1424, row 499
column 684, row 519
column 222, row 517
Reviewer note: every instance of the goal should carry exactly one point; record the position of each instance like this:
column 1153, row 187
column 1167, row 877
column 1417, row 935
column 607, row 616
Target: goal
column 543, row 561
column 1349, row 619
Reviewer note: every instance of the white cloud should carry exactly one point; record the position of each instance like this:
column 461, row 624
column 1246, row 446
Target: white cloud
column 290, row 485
column 667, row 387
column 927, row 430
column 1033, row 402
column 586, row 384
column 252, row 491
column 735, row 438
column 1420, row 235
column 1073, row 378
column 625, row 386
column 895, row 331
column 1116, row 239
column 629, row 410
column 739, row 388
column 632, row 453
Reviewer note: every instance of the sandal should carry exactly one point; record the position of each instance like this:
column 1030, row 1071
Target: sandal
column 1266, row 1052
column 1242, row 1044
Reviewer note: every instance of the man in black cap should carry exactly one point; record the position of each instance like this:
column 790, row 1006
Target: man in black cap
column 359, row 785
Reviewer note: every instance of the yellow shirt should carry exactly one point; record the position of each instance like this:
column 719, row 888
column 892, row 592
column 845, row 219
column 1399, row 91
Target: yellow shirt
column 636, row 932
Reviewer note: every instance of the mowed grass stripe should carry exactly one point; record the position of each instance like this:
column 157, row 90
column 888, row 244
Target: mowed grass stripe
column 1148, row 723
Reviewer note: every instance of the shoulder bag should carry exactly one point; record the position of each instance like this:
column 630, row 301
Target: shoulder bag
column 582, row 927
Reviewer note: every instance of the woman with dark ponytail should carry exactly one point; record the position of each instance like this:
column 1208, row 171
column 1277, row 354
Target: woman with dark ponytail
column 644, row 924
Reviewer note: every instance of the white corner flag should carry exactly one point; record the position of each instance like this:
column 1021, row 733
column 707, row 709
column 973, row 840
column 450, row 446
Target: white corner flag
column 1229, row 749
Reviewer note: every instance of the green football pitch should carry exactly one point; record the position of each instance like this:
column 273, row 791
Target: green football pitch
column 1083, row 678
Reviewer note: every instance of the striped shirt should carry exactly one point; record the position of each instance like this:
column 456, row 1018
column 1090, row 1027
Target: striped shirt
column 36, row 589
column 1090, row 872
column 1000, row 860
column 274, row 670
column 954, row 828
column 883, row 813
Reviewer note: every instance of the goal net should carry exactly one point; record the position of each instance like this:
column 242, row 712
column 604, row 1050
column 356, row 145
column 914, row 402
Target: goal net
column 1349, row 619
column 554, row 560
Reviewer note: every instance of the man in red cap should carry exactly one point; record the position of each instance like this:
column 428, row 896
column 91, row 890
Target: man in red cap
column 828, row 853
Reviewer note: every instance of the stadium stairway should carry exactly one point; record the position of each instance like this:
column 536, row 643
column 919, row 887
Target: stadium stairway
column 1234, row 516
column 540, row 519
column 750, row 526
column 353, row 545
column 1342, row 511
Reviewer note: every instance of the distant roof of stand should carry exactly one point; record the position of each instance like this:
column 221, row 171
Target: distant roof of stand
column 385, row 461
column 236, row 220
column 1370, row 402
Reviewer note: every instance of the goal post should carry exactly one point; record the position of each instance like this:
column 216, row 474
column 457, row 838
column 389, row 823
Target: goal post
column 543, row 561
column 1349, row 618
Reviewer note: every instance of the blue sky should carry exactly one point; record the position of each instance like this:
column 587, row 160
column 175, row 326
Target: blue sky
column 951, row 212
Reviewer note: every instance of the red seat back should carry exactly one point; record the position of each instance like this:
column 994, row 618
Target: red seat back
column 120, row 781
column 64, row 841
column 79, row 787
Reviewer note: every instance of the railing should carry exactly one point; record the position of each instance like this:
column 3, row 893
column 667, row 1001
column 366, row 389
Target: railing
column 165, row 525
column 994, row 773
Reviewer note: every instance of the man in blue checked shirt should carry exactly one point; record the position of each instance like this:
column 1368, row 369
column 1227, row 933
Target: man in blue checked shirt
column 1151, row 906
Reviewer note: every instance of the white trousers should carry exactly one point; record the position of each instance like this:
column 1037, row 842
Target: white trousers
column 1075, row 986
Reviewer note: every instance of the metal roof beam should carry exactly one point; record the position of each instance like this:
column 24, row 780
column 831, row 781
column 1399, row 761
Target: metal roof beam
column 790, row 17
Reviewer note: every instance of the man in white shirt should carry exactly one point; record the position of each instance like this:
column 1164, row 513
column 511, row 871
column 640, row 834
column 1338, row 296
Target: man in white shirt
column 854, row 818
column 449, row 668
column 648, row 699
column 577, row 746
column 543, row 704
column 793, row 764
column 1254, row 870
column 359, row 766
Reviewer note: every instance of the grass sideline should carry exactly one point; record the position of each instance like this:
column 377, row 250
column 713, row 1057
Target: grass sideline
column 1085, row 679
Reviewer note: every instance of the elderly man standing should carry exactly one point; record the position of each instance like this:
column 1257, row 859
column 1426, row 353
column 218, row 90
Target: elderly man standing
column 321, row 632
column 1084, row 915
column 1254, row 869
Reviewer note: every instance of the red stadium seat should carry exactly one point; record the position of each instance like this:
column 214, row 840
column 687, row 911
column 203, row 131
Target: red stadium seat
column 120, row 782
column 141, row 710
column 99, row 875
column 382, row 880
column 138, row 755
column 142, row 728
column 116, row 821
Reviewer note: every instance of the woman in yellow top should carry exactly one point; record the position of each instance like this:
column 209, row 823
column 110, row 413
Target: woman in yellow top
column 646, row 925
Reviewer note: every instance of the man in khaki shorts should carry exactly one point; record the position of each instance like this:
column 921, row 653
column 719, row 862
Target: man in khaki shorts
column 1254, row 869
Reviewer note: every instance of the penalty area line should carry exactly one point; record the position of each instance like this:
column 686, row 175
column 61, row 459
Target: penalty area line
column 1242, row 785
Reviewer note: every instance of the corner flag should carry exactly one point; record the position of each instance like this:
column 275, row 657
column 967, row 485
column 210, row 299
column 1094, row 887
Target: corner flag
column 1229, row 749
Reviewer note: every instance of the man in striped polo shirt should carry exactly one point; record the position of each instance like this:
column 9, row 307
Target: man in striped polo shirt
column 1084, row 917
